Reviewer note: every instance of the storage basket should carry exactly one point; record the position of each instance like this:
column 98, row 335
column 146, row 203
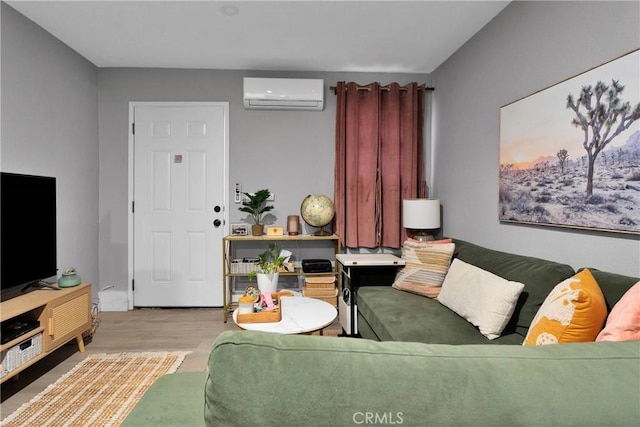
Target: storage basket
column 21, row 353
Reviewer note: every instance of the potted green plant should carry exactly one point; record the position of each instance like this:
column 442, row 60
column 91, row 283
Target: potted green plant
column 269, row 263
column 256, row 205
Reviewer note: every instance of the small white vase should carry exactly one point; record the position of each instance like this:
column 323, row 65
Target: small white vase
column 267, row 282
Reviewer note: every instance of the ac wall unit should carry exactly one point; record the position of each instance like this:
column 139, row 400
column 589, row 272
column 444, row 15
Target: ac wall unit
column 283, row 94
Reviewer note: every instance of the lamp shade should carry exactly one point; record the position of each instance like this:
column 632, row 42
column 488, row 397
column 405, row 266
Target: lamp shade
column 421, row 214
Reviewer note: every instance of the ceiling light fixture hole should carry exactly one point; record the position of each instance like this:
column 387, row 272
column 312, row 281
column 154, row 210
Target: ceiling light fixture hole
column 229, row 10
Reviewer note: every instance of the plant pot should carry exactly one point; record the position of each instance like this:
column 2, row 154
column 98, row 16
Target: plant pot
column 257, row 229
column 267, row 282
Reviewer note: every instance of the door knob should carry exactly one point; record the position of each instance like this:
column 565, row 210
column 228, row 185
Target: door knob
column 217, row 223
column 217, row 209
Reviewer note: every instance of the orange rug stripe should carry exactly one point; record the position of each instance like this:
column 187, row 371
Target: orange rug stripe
column 99, row 391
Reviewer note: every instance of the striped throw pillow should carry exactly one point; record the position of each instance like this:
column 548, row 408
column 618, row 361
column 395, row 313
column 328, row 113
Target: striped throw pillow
column 426, row 266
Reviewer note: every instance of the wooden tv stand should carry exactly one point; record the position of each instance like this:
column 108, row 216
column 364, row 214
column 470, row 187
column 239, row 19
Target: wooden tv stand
column 62, row 315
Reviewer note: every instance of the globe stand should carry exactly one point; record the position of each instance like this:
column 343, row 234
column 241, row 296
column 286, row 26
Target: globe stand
column 322, row 232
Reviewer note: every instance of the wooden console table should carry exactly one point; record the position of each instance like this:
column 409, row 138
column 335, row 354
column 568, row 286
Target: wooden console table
column 62, row 315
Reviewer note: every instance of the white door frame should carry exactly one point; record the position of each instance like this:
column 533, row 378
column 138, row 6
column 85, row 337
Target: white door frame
column 130, row 178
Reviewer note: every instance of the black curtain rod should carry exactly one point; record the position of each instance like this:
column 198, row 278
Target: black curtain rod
column 427, row 88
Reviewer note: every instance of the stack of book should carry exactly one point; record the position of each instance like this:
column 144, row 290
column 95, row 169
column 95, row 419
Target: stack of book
column 321, row 287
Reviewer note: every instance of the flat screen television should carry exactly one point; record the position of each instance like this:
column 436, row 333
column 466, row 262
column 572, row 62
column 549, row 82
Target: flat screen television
column 27, row 231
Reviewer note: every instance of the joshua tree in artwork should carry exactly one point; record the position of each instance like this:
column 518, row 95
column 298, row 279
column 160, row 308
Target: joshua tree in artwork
column 563, row 158
column 601, row 115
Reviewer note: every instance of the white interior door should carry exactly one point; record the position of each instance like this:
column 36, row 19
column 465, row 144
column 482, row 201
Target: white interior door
column 178, row 204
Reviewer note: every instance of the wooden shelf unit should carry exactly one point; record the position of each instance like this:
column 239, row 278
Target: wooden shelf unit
column 227, row 257
column 63, row 315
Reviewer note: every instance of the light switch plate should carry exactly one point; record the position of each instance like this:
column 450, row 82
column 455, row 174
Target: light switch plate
column 238, row 193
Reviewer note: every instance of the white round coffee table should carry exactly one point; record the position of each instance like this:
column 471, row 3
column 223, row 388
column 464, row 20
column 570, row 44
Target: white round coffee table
column 300, row 315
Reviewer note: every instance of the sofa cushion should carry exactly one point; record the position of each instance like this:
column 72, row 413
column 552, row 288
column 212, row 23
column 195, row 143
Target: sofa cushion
column 426, row 264
column 613, row 285
column 574, row 311
column 172, row 400
column 538, row 275
column 484, row 299
column 395, row 315
column 623, row 323
column 257, row 378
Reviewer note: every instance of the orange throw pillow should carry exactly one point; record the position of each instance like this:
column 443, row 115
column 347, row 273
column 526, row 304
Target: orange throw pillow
column 574, row 311
column 623, row 323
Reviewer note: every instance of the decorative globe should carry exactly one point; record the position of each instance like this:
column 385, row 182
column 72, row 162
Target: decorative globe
column 317, row 210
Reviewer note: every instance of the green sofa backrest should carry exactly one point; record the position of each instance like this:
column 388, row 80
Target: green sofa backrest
column 539, row 277
column 258, row 378
column 613, row 285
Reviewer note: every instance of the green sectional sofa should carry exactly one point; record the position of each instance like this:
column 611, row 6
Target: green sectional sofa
column 426, row 320
column 257, row 378
column 431, row 368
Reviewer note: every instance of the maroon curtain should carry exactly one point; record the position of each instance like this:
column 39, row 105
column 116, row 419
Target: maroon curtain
column 379, row 161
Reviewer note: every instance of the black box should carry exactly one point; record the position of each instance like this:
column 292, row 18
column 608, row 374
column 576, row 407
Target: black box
column 316, row 266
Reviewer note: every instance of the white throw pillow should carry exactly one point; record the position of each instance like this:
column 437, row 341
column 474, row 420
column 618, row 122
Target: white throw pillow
column 484, row 299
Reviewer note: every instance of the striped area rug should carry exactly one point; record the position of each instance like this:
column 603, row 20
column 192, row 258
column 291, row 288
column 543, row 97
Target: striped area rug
column 99, row 391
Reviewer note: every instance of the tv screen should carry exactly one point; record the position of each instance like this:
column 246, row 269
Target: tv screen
column 27, row 231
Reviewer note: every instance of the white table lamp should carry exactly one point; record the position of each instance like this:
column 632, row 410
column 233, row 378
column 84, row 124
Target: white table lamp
column 420, row 215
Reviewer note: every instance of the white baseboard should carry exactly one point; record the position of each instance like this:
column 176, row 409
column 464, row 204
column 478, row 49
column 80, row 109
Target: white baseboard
column 112, row 300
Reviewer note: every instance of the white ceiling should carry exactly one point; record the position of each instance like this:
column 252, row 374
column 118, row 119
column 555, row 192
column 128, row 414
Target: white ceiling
column 362, row 36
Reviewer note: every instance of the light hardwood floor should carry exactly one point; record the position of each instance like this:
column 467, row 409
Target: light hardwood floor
column 131, row 331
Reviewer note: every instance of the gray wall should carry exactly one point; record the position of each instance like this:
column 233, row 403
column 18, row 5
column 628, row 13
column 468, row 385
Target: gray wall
column 50, row 127
column 528, row 47
column 289, row 152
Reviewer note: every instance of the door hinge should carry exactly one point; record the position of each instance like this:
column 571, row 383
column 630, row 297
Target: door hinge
column 133, row 284
column 133, row 207
column 133, row 128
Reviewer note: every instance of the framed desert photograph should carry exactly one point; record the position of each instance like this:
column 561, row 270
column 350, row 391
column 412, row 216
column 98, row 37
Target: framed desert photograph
column 570, row 154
